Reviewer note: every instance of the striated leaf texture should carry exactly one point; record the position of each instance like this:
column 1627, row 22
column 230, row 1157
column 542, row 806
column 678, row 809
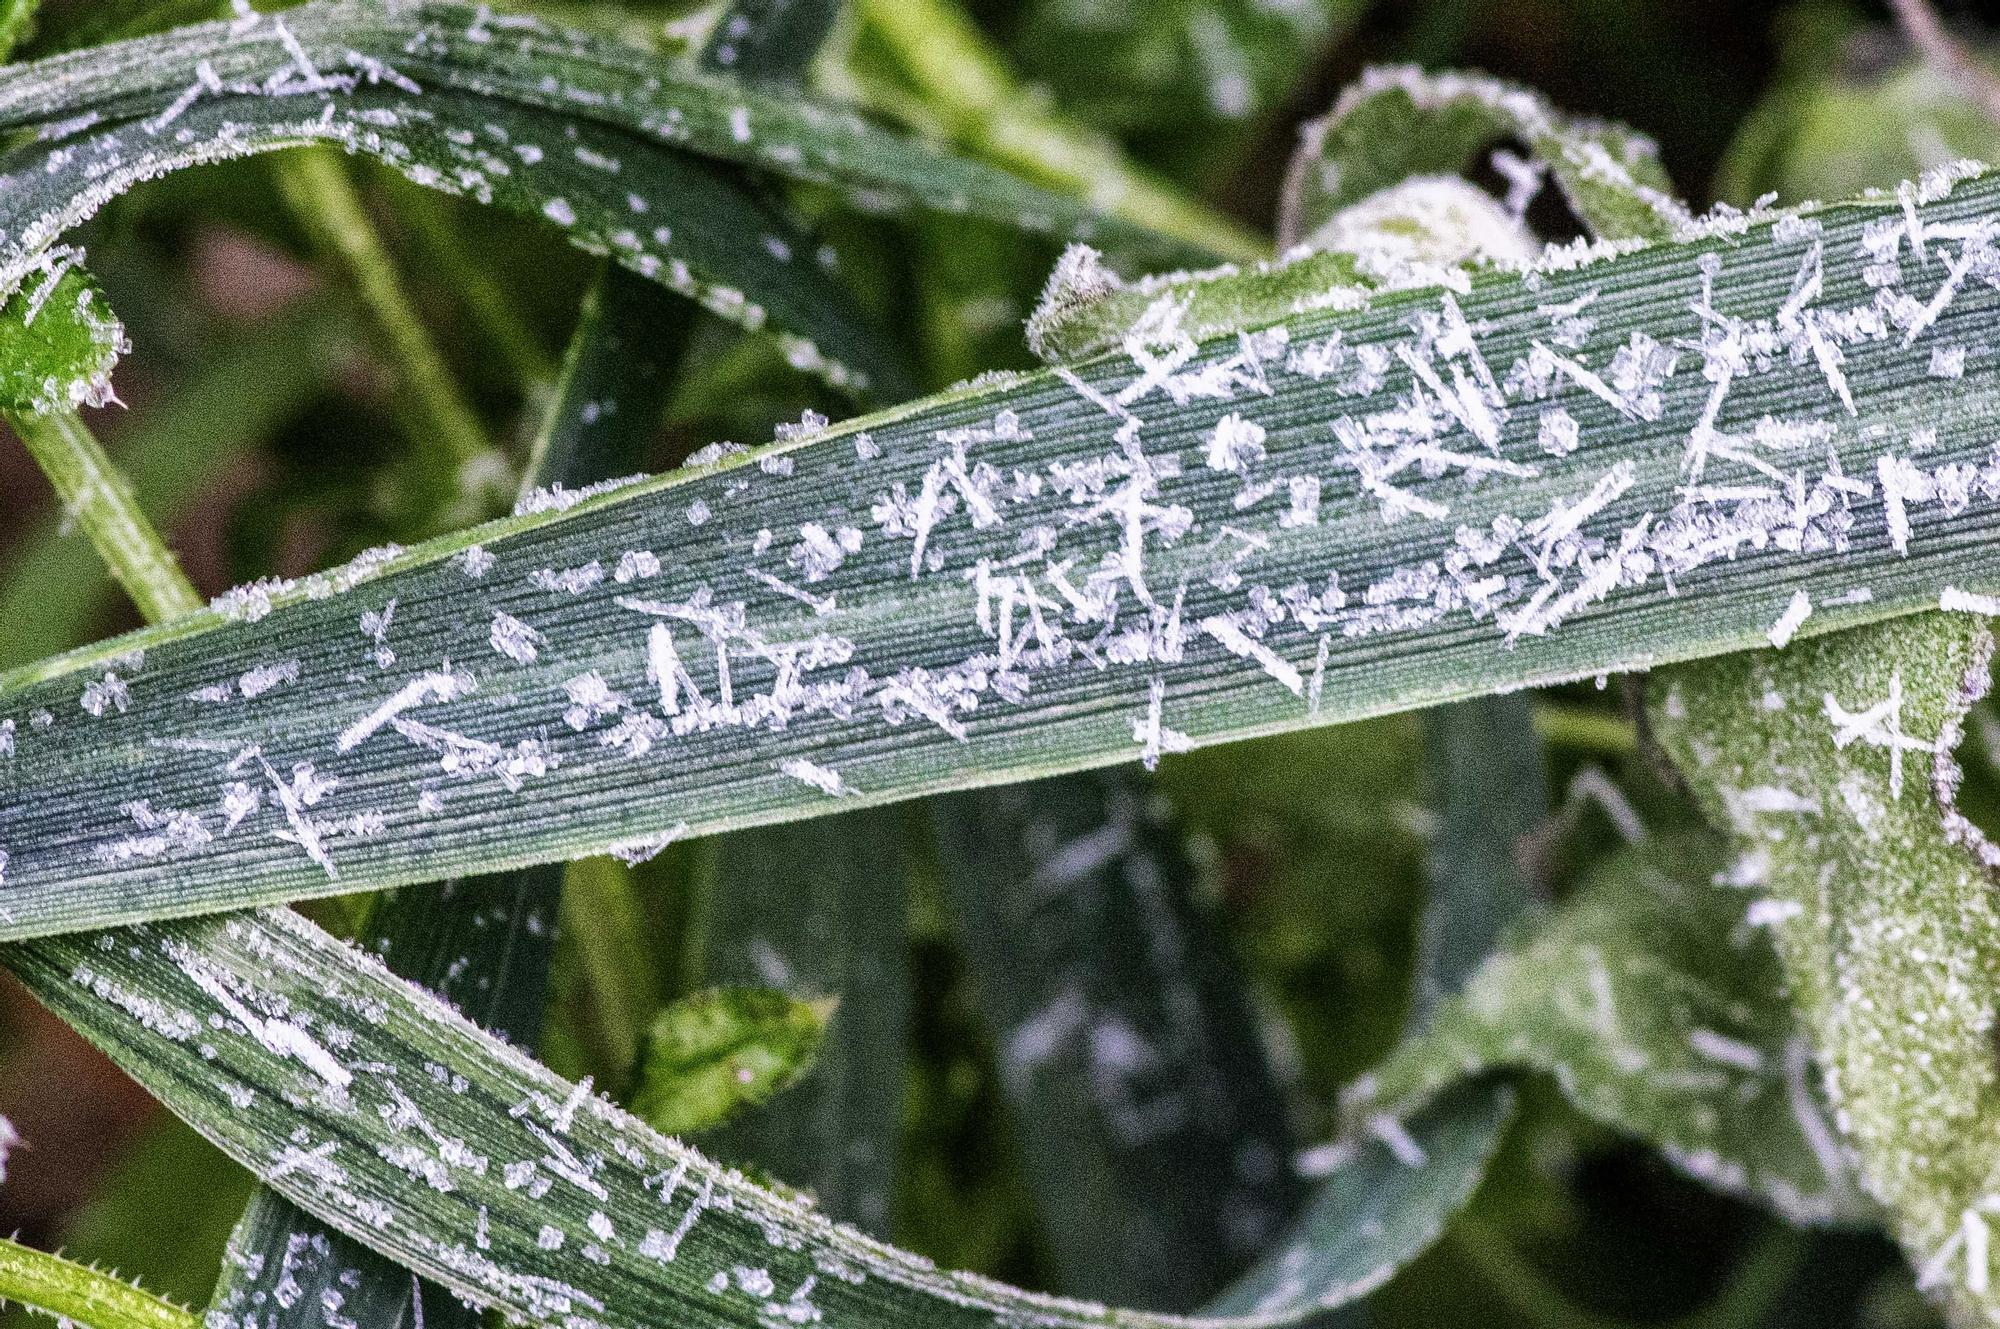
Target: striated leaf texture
column 820, row 910
column 677, row 674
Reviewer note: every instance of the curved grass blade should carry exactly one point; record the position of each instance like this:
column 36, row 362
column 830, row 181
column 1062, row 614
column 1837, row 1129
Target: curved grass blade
column 820, row 909
column 309, row 1063
column 1151, row 1123
column 334, row 47
column 665, row 214
column 1398, row 122
column 1379, row 1206
column 1656, row 1019
column 1838, row 788
column 685, row 678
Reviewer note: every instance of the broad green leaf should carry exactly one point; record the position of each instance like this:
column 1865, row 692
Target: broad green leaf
column 1656, row 1015
column 314, row 1066
column 1399, row 122
column 819, row 910
column 1149, row 1118
column 1354, row 549
column 70, row 1293
column 1831, row 764
column 58, row 341
column 710, row 1055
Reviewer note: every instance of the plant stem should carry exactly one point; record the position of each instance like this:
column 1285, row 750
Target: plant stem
column 70, row 1292
column 1562, row 725
column 324, row 201
column 984, row 109
column 101, row 501
column 1920, row 23
column 431, row 223
column 17, row 23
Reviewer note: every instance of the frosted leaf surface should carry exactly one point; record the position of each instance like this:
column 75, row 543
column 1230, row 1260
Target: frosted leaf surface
column 1050, row 574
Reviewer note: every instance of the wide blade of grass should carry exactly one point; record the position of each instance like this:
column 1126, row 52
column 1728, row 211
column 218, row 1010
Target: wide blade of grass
column 1029, row 575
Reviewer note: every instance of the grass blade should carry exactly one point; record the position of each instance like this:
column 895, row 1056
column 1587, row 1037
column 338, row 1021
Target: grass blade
column 821, row 909
column 663, row 213
column 899, row 690
column 351, row 1136
column 1151, row 1124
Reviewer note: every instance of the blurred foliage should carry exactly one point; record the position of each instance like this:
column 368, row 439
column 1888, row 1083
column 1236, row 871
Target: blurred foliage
column 260, row 434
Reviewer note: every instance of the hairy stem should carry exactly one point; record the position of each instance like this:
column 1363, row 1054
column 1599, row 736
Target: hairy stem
column 101, row 501
column 72, row 1293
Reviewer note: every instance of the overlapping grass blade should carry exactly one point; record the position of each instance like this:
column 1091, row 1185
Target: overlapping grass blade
column 312, row 1065
column 1151, row 1123
column 683, row 679
column 333, row 48
column 820, row 909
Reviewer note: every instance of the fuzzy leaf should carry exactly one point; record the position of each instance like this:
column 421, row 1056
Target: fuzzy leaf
column 58, row 342
column 647, row 708
column 1657, row 1017
column 1399, row 122
column 710, row 1055
column 1831, row 764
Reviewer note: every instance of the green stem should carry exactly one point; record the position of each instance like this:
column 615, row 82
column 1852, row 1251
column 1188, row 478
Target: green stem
column 983, row 108
column 431, row 223
column 101, row 501
column 1585, row 730
column 70, row 1292
column 324, row 201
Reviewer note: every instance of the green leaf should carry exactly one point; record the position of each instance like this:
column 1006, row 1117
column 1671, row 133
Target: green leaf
column 356, row 51
column 769, row 39
column 1831, row 764
column 1489, row 788
column 58, row 340
column 820, row 910
column 1657, row 1016
column 1399, row 122
column 710, row 1055
column 1228, row 622
column 314, row 1066
column 1150, row 1120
